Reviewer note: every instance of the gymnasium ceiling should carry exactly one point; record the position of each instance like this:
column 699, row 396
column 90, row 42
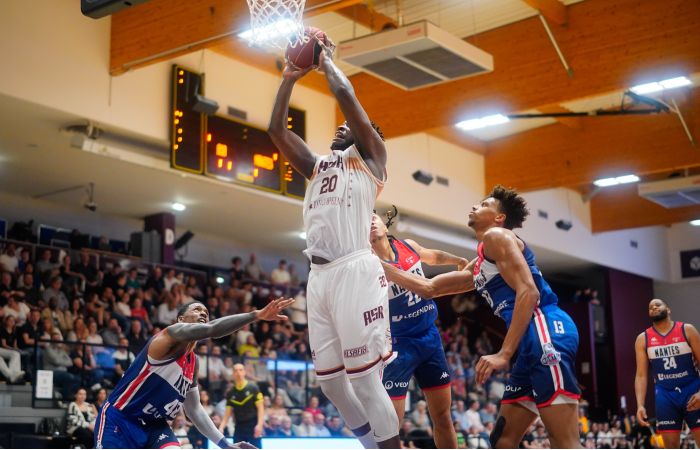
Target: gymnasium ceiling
column 610, row 46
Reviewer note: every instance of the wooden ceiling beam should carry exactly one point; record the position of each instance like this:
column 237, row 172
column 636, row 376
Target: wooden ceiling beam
column 552, row 10
column 365, row 15
column 159, row 30
column 621, row 207
column 554, row 156
column 610, row 46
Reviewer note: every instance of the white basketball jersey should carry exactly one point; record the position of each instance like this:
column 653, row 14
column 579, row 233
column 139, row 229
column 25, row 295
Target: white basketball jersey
column 338, row 205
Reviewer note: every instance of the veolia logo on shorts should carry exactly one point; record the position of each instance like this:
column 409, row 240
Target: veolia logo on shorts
column 391, row 384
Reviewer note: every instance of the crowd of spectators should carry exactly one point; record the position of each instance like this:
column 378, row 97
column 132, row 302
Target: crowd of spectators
column 93, row 319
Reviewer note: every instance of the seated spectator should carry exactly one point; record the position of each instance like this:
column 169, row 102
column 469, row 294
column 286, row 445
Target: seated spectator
column 293, row 276
column 122, row 306
column 25, row 259
column 250, row 348
column 100, row 398
column 16, row 308
column 72, row 281
column 132, row 280
column 57, row 315
column 286, row 428
column 85, row 367
column 337, row 428
column 93, row 336
column 75, row 311
column 419, row 416
column 280, row 275
column 79, row 332
column 237, row 272
column 167, row 311
column 181, row 430
column 253, row 270
column 312, row 407
column 111, row 334
column 474, row 417
column 277, row 408
column 170, row 280
column 80, row 419
column 297, row 313
column 9, row 349
column 155, row 281
column 459, row 415
column 320, row 422
column 54, row 291
column 30, row 291
column 193, row 288
column 488, row 413
column 271, row 428
column 475, row 439
column 88, row 272
column 57, row 359
column 8, row 259
column 137, row 336
column 123, row 357
column 31, row 331
column 307, row 427
column 7, row 287
column 205, row 401
column 45, row 265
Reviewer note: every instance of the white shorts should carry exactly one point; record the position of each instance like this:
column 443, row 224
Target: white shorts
column 348, row 310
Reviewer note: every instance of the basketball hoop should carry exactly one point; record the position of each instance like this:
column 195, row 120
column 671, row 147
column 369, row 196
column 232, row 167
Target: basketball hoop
column 276, row 23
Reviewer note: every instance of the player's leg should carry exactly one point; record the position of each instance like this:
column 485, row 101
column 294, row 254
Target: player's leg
column 326, row 353
column 112, row 430
column 552, row 343
column 517, row 411
column 513, row 421
column 160, row 435
column 433, row 376
column 361, row 310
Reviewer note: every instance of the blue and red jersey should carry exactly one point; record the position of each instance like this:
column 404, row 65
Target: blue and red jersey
column 411, row 315
column 671, row 357
column 152, row 389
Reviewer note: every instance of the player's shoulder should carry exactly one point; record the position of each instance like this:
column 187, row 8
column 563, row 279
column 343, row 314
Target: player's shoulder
column 498, row 234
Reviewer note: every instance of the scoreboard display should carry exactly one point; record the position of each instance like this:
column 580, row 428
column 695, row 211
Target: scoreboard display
column 228, row 149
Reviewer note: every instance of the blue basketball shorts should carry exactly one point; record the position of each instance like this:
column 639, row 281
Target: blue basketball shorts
column 671, row 408
column 115, row 430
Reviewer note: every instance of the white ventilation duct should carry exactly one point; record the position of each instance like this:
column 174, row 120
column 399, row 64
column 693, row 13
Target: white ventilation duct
column 415, row 56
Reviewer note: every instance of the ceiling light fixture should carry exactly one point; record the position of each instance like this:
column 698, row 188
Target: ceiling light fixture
column 178, row 206
column 695, row 223
column 623, row 179
column 483, row 122
column 656, row 86
column 302, row 235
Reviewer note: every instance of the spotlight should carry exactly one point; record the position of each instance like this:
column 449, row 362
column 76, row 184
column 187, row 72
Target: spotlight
column 184, row 239
column 564, row 224
column 422, row 176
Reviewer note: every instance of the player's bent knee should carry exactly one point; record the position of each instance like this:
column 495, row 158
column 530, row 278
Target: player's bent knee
column 382, row 415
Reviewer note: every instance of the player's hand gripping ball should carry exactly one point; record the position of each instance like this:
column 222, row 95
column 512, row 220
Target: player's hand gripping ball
column 306, row 54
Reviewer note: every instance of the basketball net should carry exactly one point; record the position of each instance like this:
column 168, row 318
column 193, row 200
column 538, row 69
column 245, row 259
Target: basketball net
column 276, row 23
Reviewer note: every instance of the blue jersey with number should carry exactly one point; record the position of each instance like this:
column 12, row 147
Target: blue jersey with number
column 411, row 315
column 152, row 389
column 671, row 357
column 501, row 297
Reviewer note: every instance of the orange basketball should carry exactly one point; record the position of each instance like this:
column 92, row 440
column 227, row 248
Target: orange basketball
column 307, row 53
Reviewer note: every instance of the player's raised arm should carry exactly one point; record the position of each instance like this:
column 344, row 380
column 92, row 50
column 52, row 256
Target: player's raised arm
column 444, row 284
column 436, row 257
column 292, row 146
column 502, row 246
column 367, row 139
column 190, row 332
column 641, row 378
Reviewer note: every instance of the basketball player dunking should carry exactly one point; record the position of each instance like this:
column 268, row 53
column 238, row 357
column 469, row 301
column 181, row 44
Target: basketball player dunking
column 347, row 289
column 542, row 380
column 163, row 378
column 673, row 350
column 415, row 336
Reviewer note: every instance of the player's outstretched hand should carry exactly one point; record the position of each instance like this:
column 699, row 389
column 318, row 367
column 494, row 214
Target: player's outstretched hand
column 489, row 364
column 327, row 49
column 293, row 73
column 273, row 309
column 642, row 416
column 694, row 402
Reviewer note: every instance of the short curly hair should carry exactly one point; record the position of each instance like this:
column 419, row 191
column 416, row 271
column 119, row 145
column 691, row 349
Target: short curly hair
column 512, row 205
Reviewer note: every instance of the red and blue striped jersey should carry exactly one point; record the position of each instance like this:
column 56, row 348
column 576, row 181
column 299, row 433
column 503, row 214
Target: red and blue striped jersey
column 152, row 389
column 671, row 357
column 411, row 315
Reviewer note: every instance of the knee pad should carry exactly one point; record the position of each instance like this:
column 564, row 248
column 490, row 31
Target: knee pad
column 497, row 431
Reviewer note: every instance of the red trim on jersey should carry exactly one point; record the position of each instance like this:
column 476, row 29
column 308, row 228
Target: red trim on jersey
column 101, row 430
column 525, row 398
column 667, row 431
column 400, row 397
column 133, row 387
column 364, row 368
column 435, row 388
column 329, row 371
column 171, row 444
column 556, row 394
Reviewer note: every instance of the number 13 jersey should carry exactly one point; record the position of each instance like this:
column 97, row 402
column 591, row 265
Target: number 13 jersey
column 338, row 205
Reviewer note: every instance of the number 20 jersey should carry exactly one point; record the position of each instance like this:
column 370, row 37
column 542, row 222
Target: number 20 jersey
column 338, row 205
column 671, row 357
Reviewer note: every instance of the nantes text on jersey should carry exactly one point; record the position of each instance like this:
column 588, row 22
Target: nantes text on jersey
column 671, row 357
